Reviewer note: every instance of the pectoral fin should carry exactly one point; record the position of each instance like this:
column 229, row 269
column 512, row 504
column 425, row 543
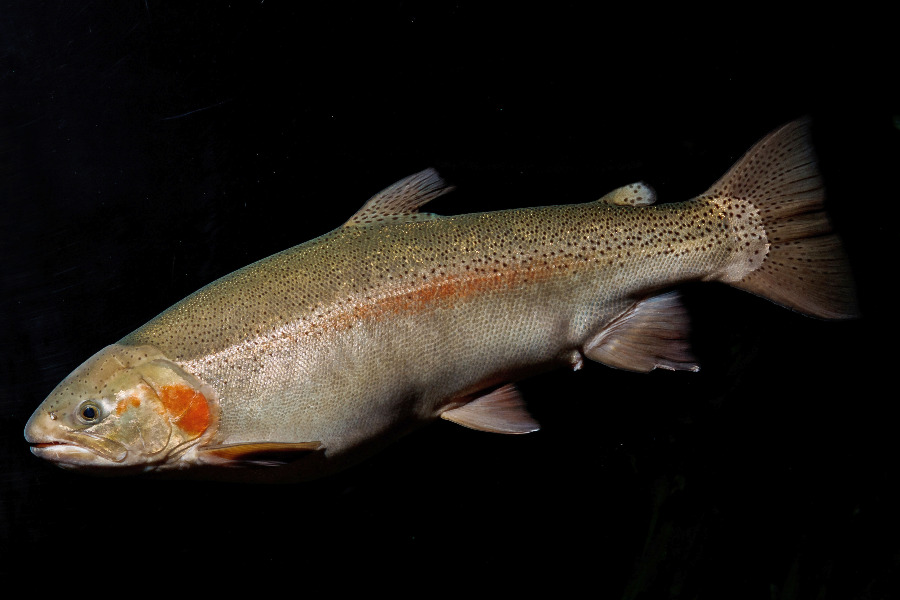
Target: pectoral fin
column 651, row 334
column 263, row 454
column 500, row 411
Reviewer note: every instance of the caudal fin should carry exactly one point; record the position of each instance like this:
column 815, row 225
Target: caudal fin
column 803, row 265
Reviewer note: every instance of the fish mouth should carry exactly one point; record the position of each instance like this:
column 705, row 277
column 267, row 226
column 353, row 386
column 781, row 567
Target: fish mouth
column 61, row 444
column 63, row 452
column 82, row 451
column 48, row 444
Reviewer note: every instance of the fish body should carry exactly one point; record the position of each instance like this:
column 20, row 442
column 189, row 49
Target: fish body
column 312, row 359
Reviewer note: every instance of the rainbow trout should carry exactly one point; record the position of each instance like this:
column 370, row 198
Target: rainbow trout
column 314, row 358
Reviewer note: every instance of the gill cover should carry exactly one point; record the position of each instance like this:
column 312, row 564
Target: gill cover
column 125, row 406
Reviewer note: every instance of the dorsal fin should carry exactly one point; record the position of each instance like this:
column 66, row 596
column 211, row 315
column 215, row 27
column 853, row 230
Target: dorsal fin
column 403, row 199
column 634, row 194
column 499, row 411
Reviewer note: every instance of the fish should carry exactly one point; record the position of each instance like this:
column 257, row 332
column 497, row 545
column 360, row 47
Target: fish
column 315, row 358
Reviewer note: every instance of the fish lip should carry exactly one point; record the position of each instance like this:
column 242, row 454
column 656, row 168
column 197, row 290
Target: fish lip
column 65, row 444
column 48, row 449
column 42, row 449
column 47, row 444
column 53, row 448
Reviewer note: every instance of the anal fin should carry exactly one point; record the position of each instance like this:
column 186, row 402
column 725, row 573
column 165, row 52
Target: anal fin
column 499, row 411
column 264, row 454
column 651, row 334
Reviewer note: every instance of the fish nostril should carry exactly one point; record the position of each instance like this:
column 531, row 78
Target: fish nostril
column 51, row 414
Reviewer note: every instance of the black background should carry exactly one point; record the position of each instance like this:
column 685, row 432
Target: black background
column 147, row 149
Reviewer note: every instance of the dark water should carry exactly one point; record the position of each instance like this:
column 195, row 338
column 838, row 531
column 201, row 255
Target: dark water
column 147, row 150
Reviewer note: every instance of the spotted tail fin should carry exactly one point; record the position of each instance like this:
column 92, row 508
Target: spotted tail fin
column 787, row 250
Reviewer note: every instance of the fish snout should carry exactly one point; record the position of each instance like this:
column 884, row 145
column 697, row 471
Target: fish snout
column 38, row 429
column 51, row 440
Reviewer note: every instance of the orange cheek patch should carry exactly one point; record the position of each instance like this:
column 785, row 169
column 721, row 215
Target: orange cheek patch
column 123, row 404
column 188, row 408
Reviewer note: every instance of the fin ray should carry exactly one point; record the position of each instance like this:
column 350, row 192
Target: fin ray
column 264, row 454
column 804, row 266
column 402, row 199
column 651, row 334
column 499, row 411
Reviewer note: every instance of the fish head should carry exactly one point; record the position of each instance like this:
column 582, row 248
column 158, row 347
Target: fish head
column 126, row 409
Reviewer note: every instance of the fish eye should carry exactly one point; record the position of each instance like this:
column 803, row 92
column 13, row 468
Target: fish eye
column 89, row 412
